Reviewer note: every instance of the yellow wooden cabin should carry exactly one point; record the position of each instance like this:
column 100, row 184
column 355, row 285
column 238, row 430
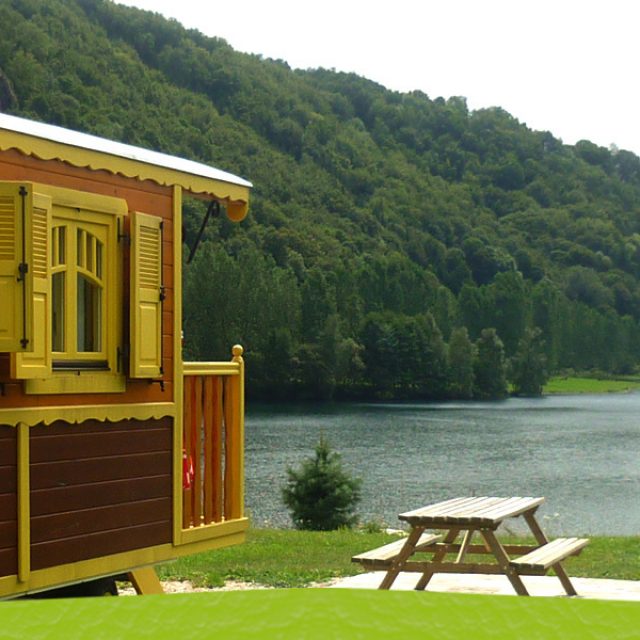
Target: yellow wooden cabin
column 114, row 453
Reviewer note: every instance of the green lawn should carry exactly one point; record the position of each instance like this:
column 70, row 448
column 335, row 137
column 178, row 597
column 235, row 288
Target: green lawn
column 286, row 558
column 573, row 385
column 321, row 614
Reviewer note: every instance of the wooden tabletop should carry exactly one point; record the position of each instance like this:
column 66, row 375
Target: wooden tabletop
column 475, row 511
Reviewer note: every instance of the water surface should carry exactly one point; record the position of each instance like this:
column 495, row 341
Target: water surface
column 580, row 452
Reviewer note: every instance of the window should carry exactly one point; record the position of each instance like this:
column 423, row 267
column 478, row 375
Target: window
column 61, row 272
column 65, row 286
column 79, row 292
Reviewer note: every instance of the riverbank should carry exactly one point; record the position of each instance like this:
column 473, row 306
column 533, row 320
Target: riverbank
column 287, row 558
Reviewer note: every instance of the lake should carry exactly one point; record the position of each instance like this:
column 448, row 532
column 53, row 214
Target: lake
column 580, row 452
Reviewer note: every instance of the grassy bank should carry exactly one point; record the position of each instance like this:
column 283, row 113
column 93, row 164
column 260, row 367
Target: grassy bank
column 285, row 558
column 574, row 385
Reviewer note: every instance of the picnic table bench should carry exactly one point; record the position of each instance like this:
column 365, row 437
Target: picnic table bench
column 467, row 517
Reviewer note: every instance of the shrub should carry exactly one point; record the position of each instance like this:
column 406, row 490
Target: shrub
column 320, row 494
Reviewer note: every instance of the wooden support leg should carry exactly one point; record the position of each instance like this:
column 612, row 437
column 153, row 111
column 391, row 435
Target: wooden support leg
column 145, row 581
column 564, row 579
column 542, row 539
column 466, row 541
column 503, row 561
column 538, row 533
column 405, row 552
column 438, row 556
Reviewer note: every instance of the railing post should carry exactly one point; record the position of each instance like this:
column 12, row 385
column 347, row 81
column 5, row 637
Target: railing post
column 196, row 448
column 213, row 449
column 234, row 432
column 187, row 504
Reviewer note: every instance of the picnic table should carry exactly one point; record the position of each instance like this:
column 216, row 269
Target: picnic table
column 465, row 518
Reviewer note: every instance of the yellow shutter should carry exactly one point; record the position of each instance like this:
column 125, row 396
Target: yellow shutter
column 15, row 276
column 145, row 328
column 36, row 363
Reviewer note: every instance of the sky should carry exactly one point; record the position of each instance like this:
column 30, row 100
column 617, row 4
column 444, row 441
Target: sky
column 565, row 66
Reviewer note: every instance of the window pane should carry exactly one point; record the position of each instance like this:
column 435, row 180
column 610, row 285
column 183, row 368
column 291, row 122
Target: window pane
column 99, row 259
column 89, row 315
column 58, row 256
column 89, row 253
column 57, row 305
column 80, row 248
column 62, row 238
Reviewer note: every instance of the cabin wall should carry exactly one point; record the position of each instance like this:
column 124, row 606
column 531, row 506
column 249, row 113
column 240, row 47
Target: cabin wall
column 8, row 502
column 144, row 196
column 98, row 489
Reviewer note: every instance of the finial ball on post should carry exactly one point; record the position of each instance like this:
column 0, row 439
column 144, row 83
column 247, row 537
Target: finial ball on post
column 237, row 350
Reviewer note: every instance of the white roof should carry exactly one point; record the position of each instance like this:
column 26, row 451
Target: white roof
column 94, row 143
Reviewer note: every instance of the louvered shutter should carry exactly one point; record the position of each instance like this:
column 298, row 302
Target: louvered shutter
column 145, row 328
column 15, row 277
column 37, row 362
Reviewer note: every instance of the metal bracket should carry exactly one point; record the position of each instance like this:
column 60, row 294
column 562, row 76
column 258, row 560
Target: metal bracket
column 212, row 210
column 160, row 382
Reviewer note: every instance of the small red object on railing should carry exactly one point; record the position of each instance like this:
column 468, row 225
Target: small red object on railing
column 188, row 471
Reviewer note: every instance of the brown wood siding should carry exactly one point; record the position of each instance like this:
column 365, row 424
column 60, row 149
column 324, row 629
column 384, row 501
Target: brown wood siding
column 99, row 489
column 145, row 196
column 8, row 502
column 5, row 367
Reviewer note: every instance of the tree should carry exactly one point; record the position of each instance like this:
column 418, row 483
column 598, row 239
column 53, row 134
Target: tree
column 380, row 343
column 529, row 365
column 321, row 495
column 489, row 367
column 431, row 360
column 509, row 308
column 460, row 361
column 475, row 306
column 318, row 303
column 456, row 272
column 485, row 260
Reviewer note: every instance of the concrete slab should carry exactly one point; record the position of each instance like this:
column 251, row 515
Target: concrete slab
column 600, row 589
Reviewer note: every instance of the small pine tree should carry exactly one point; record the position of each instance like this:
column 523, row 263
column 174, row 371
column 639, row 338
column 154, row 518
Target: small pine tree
column 320, row 494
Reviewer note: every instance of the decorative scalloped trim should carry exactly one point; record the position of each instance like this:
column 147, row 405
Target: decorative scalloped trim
column 33, row 416
column 235, row 195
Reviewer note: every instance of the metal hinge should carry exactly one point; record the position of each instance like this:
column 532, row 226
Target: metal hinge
column 123, row 353
column 23, row 269
column 122, row 236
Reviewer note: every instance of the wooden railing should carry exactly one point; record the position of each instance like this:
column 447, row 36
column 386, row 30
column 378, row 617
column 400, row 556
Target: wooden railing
column 213, row 442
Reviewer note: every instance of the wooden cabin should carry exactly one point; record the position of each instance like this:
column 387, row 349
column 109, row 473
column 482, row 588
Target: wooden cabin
column 115, row 454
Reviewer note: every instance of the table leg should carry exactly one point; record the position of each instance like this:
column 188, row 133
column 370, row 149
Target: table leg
column 466, row 541
column 406, row 551
column 542, row 539
column 437, row 557
column 503, row 561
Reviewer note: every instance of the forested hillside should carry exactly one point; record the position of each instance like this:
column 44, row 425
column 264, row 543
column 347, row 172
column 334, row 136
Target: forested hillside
column 397, row 245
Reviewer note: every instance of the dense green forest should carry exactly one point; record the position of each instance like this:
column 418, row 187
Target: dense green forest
column 397, row 246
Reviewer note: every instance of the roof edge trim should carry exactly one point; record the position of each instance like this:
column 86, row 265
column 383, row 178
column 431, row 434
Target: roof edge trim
column 48, row 142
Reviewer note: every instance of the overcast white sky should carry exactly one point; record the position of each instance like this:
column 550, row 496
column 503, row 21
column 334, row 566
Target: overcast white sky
column 569, row 67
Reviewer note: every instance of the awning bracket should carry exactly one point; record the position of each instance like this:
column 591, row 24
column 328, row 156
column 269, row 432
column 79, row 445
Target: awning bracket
column 212, row 210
